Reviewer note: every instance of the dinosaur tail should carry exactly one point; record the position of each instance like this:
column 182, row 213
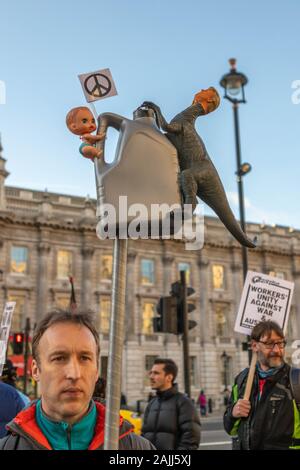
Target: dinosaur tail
column 226, row 215
column 215, row 197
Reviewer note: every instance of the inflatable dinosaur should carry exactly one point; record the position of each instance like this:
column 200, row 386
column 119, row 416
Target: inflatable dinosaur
column 198, row 175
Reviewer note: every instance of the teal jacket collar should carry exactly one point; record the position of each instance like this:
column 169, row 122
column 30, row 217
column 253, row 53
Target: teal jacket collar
column 62, row 436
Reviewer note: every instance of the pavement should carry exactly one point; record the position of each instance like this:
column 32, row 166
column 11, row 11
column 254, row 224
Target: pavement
column 213, row 436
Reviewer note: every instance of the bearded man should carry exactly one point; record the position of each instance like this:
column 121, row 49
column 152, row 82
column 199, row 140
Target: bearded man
column 270, row 418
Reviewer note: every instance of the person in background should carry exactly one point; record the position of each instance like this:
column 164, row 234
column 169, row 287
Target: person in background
column 9, row 376
column 99, row 391
column 10, row 405
column 171, row 420
column 203, row 403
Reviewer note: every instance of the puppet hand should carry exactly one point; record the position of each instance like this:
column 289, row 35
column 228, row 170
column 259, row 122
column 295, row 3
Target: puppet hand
column 149, row 104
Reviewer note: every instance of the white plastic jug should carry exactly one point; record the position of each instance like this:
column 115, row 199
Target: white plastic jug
column 145, row 168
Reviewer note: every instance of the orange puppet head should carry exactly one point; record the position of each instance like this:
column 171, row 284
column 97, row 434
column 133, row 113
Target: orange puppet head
column 209, row 99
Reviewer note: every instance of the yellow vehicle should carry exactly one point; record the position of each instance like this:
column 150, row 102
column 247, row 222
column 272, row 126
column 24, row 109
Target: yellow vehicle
column 134, row 418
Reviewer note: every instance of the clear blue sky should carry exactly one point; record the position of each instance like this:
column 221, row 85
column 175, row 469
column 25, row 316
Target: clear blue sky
column 163, row 51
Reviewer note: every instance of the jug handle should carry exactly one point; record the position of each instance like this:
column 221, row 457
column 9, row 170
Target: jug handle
column 106, row 120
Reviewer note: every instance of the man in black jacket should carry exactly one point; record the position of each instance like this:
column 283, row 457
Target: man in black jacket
column 270, row 419
column 171, row 420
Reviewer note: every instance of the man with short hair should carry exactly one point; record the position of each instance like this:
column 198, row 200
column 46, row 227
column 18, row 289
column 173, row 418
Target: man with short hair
column 270, row 419
column 65, row 351
column 171, row 420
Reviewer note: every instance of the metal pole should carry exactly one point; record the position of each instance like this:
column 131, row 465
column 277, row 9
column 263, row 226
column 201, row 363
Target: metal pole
column 116, row 342
column 185, row 336
column 241, row 196
column 26, row 353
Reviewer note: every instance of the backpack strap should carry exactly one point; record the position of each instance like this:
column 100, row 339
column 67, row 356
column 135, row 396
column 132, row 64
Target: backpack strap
column 295, row 384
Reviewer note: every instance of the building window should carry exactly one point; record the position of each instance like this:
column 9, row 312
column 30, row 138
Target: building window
column 63, row 301
column 105, row 307
column 149, row 361
column 221, row 321
column 18, row 317
column 147, row 272
column 149, row 312
column 218, row 276
column 64, row 264
column 18, row 259
column 279, row 274
column 193, row 370
column 106, row 267
column 187, row 268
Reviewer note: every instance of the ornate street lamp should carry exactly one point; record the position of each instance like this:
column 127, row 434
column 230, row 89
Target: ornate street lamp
column 233, row 84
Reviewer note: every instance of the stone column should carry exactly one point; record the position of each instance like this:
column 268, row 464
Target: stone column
column 240, row 356
column 267, row 265
column 131, row 283
column 86, row 281
column 205, row 323
column 295, row 249
column 3, row 175
column 296, row 302
column 42, row 279
column 2, row 283
column 167, row 273
column 237, row 280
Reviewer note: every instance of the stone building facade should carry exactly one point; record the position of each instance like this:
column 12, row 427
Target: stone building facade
column 45, row 237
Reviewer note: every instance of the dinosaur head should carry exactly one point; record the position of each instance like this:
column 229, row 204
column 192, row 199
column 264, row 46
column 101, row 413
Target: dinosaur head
column 209, row 99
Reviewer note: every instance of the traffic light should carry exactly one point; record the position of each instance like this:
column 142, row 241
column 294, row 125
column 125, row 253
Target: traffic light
column 177, row 292
column 18, row 343
column 157, row 321
column 170, row 311
column 166, row 322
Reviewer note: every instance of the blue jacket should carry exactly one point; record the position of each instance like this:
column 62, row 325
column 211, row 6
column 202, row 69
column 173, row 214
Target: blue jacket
column 10, row 405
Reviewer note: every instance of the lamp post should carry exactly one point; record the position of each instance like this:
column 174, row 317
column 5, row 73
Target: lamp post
column 233, row 84
column 225, row 361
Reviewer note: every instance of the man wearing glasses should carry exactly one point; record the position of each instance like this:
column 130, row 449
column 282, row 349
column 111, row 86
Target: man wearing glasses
column 270, row 419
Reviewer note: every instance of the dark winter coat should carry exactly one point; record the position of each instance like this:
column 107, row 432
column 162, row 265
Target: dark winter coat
column 171, row 421
column 10, row 405
column 24, row 434
column 274, row 419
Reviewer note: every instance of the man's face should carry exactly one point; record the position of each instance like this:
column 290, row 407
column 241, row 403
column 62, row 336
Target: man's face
column 267, row 355
column 84, row 123
column 159, row 380
column 67, row 371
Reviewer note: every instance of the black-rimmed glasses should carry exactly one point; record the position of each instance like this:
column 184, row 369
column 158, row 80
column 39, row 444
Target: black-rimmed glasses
column 280, row 344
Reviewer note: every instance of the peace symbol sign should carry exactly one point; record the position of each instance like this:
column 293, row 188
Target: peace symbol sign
column 97, row 85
